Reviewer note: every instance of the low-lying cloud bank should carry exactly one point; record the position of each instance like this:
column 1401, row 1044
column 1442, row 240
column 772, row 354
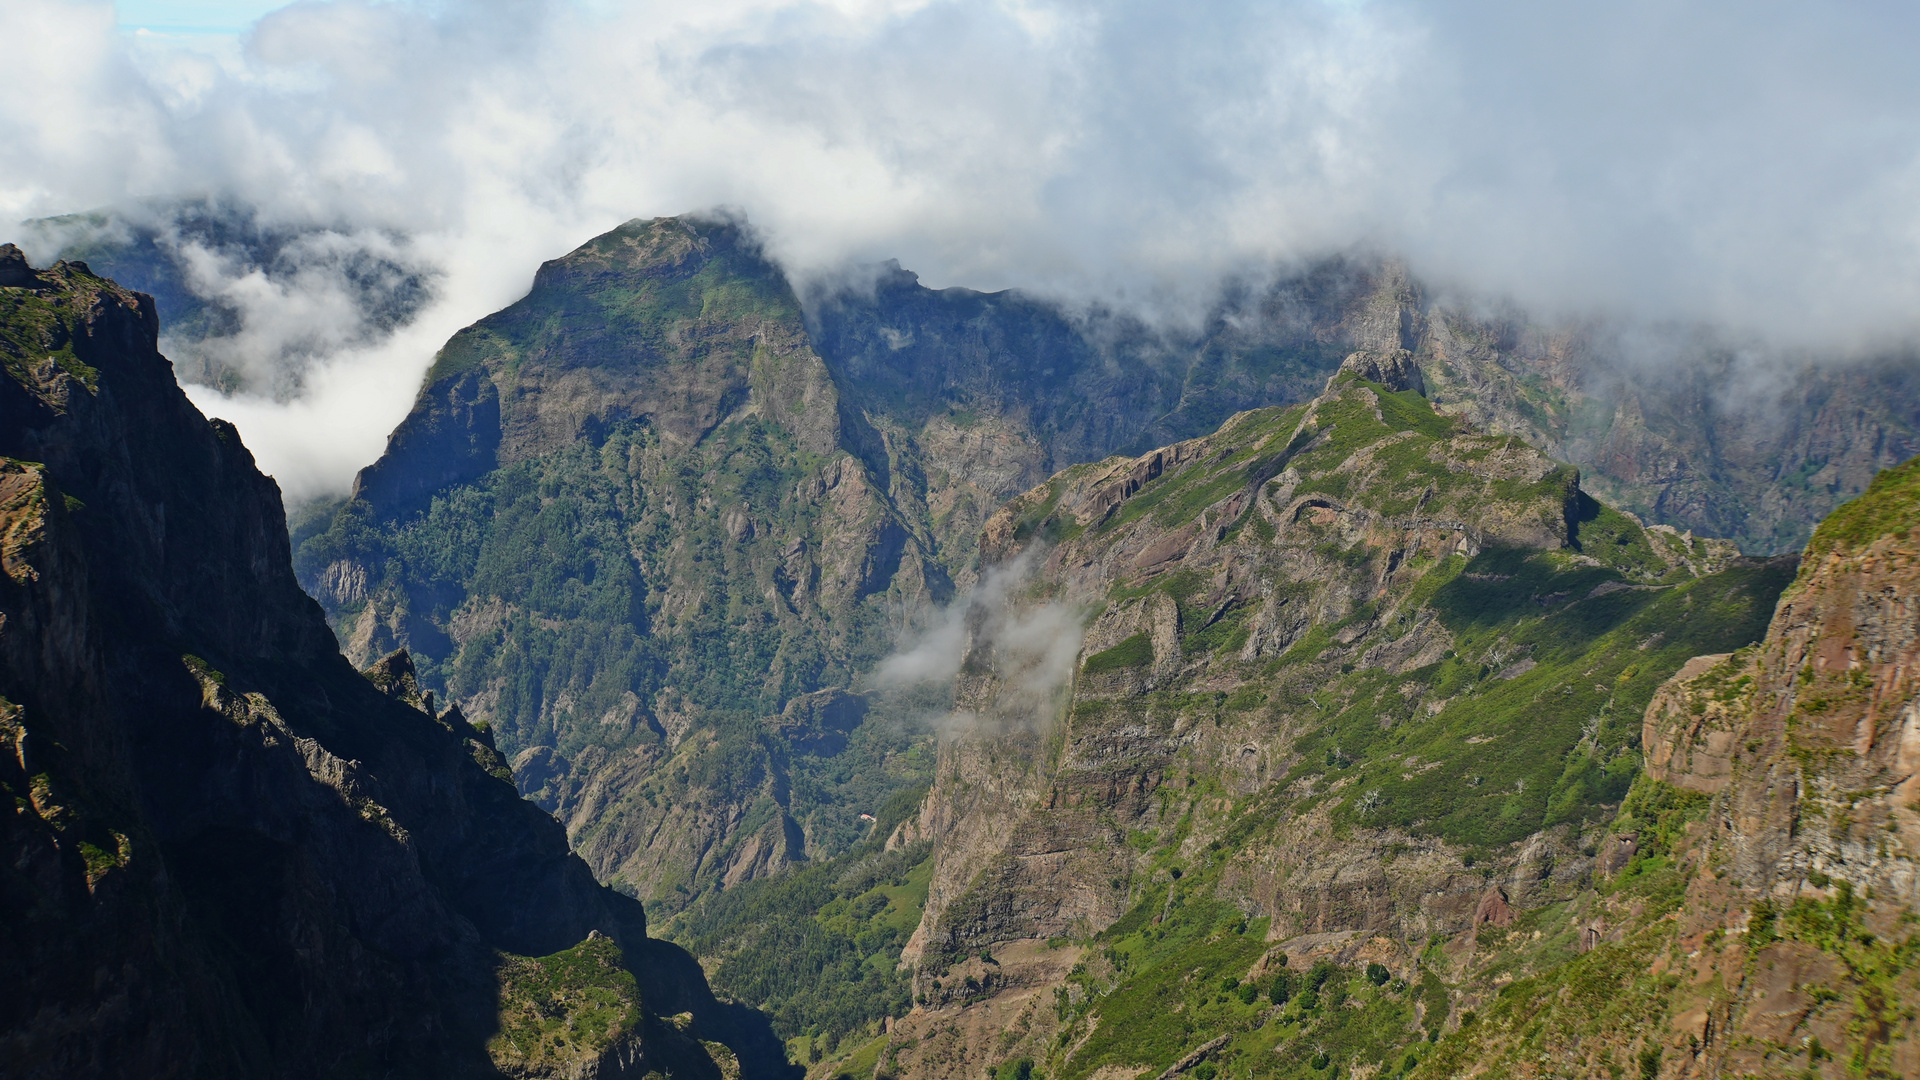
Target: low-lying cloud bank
column 1749, row 166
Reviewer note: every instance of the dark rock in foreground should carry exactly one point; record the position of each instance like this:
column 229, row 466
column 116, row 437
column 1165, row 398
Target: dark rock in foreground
column 229, row 853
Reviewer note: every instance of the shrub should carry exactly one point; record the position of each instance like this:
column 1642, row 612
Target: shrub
column 1136, row 651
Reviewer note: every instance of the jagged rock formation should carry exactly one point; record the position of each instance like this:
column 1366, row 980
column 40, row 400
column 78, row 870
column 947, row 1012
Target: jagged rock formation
column 228, row 853
column 1802, row 915
column 1359, row 686
column 1394, row 370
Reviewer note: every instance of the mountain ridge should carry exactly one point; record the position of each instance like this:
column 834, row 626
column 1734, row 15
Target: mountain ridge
column 934, row 408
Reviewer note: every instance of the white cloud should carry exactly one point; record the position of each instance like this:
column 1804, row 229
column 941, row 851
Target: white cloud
column 1028, row 646
column 1753, row 165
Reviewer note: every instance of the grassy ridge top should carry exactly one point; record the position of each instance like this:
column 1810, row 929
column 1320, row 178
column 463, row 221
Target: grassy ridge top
column 649, row 289
column 1889, row 506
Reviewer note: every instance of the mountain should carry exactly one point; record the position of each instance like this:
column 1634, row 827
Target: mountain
column 1345, row 776
column 1679, row 425
column 229, row 853
column 972, row 686
column 624, row 529
column 1676, row 427
column 656, row 525
column 1786, row 942
column 1357, row 708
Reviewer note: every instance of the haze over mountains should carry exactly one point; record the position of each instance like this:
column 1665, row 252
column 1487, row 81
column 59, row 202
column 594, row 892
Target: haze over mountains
column 1672, row 423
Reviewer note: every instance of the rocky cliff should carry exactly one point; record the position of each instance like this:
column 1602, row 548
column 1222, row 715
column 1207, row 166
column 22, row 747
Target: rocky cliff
column 1799, row 925
column 228, row 852
column 1778, row 807
column 1358, row 696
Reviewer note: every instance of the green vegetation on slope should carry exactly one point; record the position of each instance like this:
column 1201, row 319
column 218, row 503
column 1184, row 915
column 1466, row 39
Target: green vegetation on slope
column 818, row 949
column 1179, row 971
column 1542, row 726
column 573, row 1004
column 576, row 588
column 652, row 569
column 35, row 328
column 1457, row 647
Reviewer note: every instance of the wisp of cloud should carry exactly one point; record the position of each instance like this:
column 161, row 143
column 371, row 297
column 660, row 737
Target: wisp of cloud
column 1023, row 649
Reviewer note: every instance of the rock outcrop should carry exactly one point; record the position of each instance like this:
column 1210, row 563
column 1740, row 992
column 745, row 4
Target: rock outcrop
column 1809, row 744
column 228, row 853
column 1393, row 369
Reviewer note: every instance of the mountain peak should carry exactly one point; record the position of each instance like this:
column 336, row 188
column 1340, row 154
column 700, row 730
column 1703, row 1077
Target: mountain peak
column 14, row 270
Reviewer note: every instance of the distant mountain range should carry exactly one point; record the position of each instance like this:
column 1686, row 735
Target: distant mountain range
column 245, row 304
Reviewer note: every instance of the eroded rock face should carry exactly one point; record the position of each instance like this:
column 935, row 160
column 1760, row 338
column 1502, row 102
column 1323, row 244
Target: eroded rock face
column 1810, row 743
column 1393, row 369
column 229, row 853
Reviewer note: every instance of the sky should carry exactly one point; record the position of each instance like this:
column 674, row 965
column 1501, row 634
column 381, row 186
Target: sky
column 195, row 17
column 1752, row 166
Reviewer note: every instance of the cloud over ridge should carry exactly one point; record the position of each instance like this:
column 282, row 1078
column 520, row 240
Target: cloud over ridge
column 1753, row 166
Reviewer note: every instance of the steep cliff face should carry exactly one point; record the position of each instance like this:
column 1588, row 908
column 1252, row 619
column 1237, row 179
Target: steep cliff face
column 620, row 527
column 1800, row 925
column 1360, row 687
column 229, row 853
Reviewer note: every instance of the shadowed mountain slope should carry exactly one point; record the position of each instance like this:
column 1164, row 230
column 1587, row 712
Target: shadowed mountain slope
column 229, row 853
